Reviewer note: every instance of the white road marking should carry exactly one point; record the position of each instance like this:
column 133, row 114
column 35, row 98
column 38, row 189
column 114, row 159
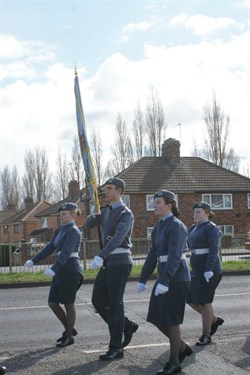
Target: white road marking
column 127, row 301
column 127, row 348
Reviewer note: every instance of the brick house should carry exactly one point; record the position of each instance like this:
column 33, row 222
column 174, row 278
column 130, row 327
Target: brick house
column 49, row 218
column 191, row 179
column 20, row 224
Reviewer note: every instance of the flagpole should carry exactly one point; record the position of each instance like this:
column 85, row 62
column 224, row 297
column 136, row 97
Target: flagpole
column 90, row 174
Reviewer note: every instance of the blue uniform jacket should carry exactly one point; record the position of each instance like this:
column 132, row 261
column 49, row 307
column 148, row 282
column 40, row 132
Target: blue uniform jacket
column 204, row 236
column 168, row 238
column 116, row 226
column 66, row 240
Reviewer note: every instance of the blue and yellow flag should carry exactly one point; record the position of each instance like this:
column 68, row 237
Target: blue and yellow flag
column 85, row 149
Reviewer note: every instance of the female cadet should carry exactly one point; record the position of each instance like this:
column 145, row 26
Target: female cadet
column 203, row 241
column 168, row 298
column 66, row 271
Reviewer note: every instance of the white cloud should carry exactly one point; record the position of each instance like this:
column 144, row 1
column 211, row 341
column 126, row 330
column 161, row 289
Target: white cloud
column 242, row 4
column 44, row 113
column 21, row 59
column 131, row 28
column 203, row 25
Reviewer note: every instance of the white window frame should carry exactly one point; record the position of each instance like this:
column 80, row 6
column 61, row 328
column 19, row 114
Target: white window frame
column 16, row 228
column 126, row 200
column 248, row 200
column 224, row 229
column 44, row 222
column 150, row 202
column 208, row 198
column 149, row 231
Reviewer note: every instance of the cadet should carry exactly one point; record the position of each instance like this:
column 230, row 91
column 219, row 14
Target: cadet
column 206, row 273
column 168, row 298
column 66, row 272
column 115, row 263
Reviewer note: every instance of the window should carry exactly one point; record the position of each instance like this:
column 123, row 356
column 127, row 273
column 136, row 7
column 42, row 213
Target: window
column 248, row 200
column 150, row 202
column 149, row 231
column 44, row 222
column 219, row 201
column 5, row 229
column 227, row 230
column 16, row 228
column 126, row 200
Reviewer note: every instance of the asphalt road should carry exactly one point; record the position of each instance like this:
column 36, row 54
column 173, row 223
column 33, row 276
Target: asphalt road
column 28, row 331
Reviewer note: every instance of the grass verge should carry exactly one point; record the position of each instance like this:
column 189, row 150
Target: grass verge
column 33, row 277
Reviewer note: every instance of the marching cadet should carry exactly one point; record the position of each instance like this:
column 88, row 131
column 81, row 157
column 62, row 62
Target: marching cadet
column 115, row 263
column 66, row 271
column 206, row 273
column 168, row 298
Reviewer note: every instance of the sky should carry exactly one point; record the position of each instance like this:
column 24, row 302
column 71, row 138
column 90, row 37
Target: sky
column 186, row 50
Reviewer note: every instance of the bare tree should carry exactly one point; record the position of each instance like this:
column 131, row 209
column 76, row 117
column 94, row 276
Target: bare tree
column 217, row 125
column 139, row 132
column 76, row 166
column 97, row 153
column 62, row 177
column 10, row 188
column 122, row 150
column 37, row 180
column 29, row 176
column 155, row 123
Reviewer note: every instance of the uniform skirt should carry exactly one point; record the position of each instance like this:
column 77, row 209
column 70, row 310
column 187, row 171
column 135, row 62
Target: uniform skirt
column 201, row 291
column 168, row 309
column 66, row 282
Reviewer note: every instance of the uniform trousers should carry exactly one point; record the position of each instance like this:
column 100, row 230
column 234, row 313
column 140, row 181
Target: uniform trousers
column 107, row 299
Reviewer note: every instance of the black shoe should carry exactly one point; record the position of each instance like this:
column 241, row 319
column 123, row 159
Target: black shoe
column 2, row 370
column 169, row 368
column 185, row 353
column 128, row 333
column 65, row 342
column 215, row 325
column 74, row 333
column 112, row 353
column 203, row 340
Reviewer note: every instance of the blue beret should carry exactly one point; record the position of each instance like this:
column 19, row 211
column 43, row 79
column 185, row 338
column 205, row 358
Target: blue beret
column 203, row 205
column 116, row 181
column 167, row 194
column 69, row 206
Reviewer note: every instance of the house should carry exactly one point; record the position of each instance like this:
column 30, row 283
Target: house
column 18, row 226
column 50, row 218
column 191, row 179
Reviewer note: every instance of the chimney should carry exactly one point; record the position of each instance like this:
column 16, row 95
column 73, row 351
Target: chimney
column 10, row 207
column 171, row 150
column 28, row 202
column 74, row 189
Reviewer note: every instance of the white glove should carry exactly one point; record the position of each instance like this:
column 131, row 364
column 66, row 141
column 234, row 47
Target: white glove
column 208, row 275
column 97, row 262
column 29, row 263
column 140, row 287
column 49, row 272
column 160, row 289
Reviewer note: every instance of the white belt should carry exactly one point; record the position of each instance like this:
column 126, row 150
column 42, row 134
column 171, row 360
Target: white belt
column 72, row 255
column 164, row 258
column 120, row 250
column 200, row 251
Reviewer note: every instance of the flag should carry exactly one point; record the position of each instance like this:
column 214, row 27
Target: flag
column 85, row 149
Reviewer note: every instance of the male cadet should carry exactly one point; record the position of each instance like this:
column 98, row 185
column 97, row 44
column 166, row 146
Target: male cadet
column 115, row 263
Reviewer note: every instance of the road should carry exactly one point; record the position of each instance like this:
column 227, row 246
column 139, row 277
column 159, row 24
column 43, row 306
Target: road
column 28, row 331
